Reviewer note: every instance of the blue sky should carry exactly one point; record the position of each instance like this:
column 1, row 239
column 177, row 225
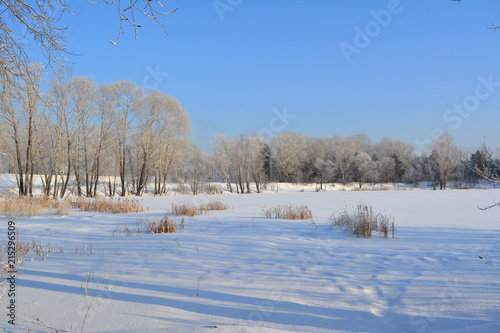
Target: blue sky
column 235, row 68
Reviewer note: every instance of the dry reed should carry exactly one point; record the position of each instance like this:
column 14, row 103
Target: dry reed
column 289, row 212
column 361, row 222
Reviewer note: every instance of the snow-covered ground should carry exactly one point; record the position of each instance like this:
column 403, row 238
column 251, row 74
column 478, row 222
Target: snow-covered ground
column 237, row 271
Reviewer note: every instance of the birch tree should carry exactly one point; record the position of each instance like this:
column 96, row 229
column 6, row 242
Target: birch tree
column 125, row 97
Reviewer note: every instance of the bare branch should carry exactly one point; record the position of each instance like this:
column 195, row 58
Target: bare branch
column 128, row 9
column 489, row 207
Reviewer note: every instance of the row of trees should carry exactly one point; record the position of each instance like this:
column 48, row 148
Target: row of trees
column 79, row 130
column 292, row 157
column 79, row 135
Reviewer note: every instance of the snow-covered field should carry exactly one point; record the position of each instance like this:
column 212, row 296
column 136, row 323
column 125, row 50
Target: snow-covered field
column 237, row 271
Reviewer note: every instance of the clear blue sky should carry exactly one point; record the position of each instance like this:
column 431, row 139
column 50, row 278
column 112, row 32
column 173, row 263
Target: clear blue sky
column 267, row 55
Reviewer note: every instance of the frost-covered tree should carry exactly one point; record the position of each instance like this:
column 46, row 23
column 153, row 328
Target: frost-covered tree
column 125, row 97
column 289, row 150
column 344, row 150
column 157, row 115
column 364, row 169
column 193, row 167
column 444, row 159
column 403, row 156
column 221, row 146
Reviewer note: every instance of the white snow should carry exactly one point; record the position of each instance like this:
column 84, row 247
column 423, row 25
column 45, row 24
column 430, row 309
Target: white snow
column 237, row 271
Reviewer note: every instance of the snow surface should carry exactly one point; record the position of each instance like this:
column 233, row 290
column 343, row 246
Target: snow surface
column 237, row 271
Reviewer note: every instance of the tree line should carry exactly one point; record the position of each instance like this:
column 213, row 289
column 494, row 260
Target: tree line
column 79, row 136
column 295, row 158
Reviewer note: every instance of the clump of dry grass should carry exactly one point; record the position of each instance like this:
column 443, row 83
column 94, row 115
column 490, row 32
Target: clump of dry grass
column 361, row 222
column 108, row 205
column 163, row 226
column 191, row 210
column 20, row 207
column 289, row 212
column 186, row 210
column 215, row 205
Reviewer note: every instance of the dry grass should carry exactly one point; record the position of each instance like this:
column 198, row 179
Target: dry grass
column 191, row 210
column 108, row 205
column 289, row 212
column 186, row 210
column 127, row 231
column 361, row 222
column 20, row 207
column 215, row 205
column 163, row 226
column 23, row 248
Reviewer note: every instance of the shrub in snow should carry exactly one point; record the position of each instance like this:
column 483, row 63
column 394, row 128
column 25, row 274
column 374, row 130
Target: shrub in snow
column 190, row 210
column 289, row 212
column 163, row 226
column 361, row 221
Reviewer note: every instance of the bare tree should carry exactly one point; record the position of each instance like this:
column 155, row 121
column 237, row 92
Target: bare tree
column 221, row 146
column 344, row 150
column 193, row 167
column 101, row 136
column 159, row 118
column 125, row 97
column 325, row 169
column 290, row 152
column 489, row 172
column 175, row 127
column 444, row 158
column 11, row 132
column 402, row 156
column 83, row 91
column 60, row 108
column 256, row 161
column 365, row 169
column 20, row 120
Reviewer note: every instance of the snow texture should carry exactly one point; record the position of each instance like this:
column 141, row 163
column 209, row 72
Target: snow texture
column 237, row 271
